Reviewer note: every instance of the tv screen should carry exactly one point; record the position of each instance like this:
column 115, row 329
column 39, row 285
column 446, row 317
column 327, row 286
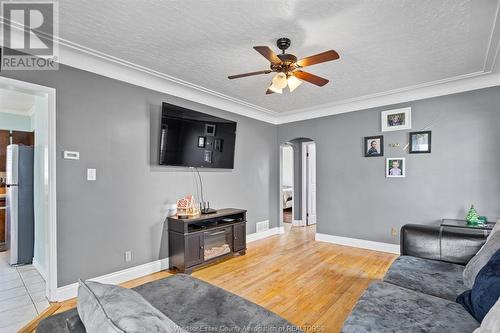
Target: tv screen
column 194, row 139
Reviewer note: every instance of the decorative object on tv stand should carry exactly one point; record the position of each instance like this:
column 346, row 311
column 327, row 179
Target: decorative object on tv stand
column 374, row 146
column 396, row 120
column 472, row 216
column 420, row 142
column 186, row 207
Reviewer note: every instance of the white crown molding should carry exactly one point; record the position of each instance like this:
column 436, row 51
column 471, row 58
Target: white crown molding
column 440, row 88
column 90, row 60
column 81, row 57
column 78, row 56
column 361, row 243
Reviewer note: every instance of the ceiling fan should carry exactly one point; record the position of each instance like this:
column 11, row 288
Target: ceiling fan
column 288, row 68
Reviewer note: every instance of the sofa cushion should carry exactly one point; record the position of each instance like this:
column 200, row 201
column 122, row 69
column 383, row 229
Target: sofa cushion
column 385, row 307
column 198, row 305
column 437, row 278
column 192, row 304
column 113, row 309
column 486, row 289
column 480, row 259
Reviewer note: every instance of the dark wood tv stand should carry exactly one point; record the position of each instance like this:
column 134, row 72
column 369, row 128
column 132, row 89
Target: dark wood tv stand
column 204, row 239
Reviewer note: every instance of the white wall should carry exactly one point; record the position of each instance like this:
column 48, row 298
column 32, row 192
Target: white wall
column 14, row 122
column 287, row 166
column 39, row 122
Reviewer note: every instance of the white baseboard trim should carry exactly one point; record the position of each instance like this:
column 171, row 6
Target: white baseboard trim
column 361, row 243
column 298, row 223
column 264, row 234
column 71, row 290
column 39, row 268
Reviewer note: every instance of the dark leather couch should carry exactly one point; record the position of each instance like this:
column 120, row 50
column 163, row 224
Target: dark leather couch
column 419, row 290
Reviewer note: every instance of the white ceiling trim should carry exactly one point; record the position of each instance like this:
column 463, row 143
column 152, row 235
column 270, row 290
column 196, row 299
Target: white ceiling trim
column 463, row 84
column 87, row 59
column 94, row 61
column 109, row 66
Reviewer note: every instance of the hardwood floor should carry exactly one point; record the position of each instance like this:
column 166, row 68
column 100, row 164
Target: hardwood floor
column 309, row 283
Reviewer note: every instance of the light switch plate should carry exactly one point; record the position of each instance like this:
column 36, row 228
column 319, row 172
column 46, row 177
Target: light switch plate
column 71, row 155
column 91, row 174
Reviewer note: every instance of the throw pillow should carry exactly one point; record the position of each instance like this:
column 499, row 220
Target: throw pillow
column 480, row 259
column 491, row 323
column 109, row 308
column 486, row 290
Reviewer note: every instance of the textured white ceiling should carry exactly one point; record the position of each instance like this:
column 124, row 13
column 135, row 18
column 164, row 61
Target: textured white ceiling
column 383, row 44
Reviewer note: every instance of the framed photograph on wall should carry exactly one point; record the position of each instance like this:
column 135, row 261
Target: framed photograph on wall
column 201, row 142
column 396, row 120
column 218, row 145
column 395, row 167
column 374, row 146
column 209, row 130
column 420, row 142
column 207, row 156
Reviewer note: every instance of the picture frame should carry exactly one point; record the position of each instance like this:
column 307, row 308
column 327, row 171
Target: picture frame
column 207, row 156
column 218, row 145
column 396, row 119
column 374, row 146
column 395, row 167
column 209, row 130
column 201, row 142
column 420, row 142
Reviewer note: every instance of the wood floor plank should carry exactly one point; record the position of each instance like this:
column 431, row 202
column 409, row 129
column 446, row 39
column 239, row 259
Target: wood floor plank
column 309, row 283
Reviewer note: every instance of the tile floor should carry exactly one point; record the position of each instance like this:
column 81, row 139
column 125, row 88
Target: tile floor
column 22, row 295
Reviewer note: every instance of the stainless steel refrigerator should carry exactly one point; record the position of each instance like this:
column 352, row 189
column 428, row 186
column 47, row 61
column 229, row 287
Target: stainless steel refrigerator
column 19, row 233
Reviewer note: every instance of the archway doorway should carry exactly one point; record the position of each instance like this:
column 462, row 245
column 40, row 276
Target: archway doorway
column 298, row 183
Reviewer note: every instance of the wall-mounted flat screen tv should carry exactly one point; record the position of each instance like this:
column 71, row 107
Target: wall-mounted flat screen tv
column 194, row 139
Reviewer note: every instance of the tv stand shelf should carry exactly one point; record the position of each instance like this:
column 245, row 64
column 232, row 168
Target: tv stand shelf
column 203, row 239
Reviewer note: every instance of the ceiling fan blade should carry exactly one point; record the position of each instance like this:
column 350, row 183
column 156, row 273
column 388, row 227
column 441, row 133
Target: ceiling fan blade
column 268, row 54
column 269, row 92
column 311, row 78
column 318, row 58
column 267, row 71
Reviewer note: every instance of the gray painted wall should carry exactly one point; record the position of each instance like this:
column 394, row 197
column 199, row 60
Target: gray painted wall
column 354, row 199
column 114, row 127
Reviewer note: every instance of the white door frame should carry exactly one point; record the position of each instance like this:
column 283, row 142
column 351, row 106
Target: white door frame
column 50, row 186
column 305, row 180
column 281, row 185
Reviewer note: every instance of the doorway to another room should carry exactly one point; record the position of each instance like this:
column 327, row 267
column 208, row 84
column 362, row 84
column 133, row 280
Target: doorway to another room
column 24, row 211
column 298, row 184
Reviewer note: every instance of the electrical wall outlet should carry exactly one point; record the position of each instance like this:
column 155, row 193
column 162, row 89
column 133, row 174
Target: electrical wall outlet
column 128, row 256
column 394, row 232
column 262, row 226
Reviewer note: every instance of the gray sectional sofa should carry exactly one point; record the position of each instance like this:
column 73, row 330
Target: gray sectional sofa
column 194, row 305
column 418, row 292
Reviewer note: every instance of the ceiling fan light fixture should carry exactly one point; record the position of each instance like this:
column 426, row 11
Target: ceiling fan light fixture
column 275, row 89
column 280, row 81
column 293, row 83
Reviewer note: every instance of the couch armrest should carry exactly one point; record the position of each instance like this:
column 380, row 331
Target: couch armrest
column 455, row 245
